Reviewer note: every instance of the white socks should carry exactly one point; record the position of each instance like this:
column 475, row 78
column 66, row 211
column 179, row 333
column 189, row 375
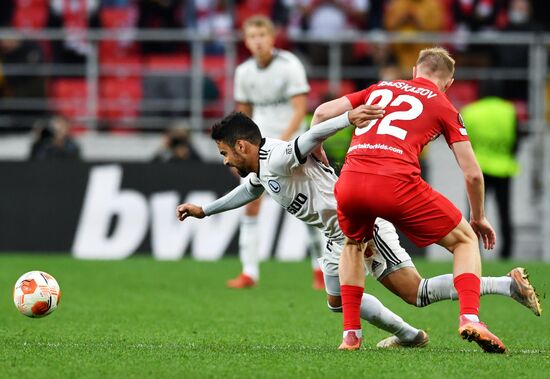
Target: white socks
column 248, row 246
column 441, row 287
column 373, row 311
column 473, row 318
column 500, row 285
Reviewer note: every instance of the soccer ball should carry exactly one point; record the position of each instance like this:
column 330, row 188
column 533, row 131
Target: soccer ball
column 36, row 294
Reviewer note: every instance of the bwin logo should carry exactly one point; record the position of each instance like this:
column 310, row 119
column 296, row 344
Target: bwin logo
column 274, row 185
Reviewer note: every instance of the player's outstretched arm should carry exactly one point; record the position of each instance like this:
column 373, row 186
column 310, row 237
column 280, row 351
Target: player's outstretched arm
column 239, row 196
column 360, row 117
column 327, row 111
column 475, row 187
column 331, row 109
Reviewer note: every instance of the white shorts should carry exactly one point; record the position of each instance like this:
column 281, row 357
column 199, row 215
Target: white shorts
column 387, row 256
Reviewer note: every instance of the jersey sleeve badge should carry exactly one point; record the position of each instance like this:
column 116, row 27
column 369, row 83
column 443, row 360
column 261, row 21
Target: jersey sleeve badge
column 461, row 122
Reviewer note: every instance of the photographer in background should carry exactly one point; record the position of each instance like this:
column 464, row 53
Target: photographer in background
column 176, row 146
column 53, row 141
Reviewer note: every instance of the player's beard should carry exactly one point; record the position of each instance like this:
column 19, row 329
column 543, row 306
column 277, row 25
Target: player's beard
column 242, row 172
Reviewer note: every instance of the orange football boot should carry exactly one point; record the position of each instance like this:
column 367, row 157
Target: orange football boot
column 241, row 281
column 318, row 279
column 479, row 333
column 350, row 342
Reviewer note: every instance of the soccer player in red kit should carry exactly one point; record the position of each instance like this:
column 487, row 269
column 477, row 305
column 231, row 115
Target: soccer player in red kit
column 381, row 178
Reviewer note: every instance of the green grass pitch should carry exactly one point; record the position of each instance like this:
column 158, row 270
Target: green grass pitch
column 141, row 318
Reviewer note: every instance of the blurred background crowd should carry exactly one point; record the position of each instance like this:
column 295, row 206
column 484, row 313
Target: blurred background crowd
column 131, row 81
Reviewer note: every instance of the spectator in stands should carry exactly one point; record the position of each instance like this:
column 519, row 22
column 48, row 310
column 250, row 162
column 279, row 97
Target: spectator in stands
column 209, row 17
column 409, row 16
column 492, row 128
column 176, row 145
column 476, row 15
column 53, row 141
column 24, row 59
column 540, row 13
column 376, row 14
column 329, row 19
column 116, row 3
column 520, row 19
column 384, row 63
column 74, row 17
column 6, row 13
column 165, row 14
column 290, row 14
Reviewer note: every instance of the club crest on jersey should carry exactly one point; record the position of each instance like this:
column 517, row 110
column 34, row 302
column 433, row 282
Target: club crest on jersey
column 274, row 185
column 288, row 150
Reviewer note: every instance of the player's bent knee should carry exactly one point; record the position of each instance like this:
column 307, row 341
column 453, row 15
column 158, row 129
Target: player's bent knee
column 334, row 303
column 462, row 234
column 410, row 298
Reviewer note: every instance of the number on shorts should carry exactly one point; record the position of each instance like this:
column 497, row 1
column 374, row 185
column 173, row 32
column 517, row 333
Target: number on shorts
column 385, row 126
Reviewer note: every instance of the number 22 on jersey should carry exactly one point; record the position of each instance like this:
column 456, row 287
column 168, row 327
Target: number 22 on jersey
column 384, row 124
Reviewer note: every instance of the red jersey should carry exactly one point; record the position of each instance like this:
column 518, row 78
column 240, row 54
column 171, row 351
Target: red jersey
column 416, row 113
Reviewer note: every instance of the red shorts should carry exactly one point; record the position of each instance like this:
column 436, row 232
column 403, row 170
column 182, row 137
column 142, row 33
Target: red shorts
column 421, row 213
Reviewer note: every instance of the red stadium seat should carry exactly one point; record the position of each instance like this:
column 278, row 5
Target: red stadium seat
column 463, row 92
column 522, row 110
column 69, row 97
column 214, row 67
column 30, row 14
column 124, row 46
column 118, row 17
column 175, row 62
column 122, row 67
column 250, row 8
column 120, row 98
column 112, row 50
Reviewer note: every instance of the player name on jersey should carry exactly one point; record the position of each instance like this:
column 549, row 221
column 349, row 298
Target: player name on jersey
column 409, row 88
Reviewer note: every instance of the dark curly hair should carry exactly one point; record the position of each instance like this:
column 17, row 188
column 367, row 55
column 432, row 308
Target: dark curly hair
column 236, row 126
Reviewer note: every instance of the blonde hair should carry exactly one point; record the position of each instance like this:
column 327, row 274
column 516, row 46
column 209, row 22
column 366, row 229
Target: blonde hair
column 436, row 60
column 259, row 21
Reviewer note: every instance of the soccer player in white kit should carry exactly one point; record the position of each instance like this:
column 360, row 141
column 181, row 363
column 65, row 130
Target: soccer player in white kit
column 271, row 87
column 303, row 185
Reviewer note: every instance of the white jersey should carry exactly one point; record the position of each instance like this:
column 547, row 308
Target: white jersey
column 304, row 188
column 269, row 90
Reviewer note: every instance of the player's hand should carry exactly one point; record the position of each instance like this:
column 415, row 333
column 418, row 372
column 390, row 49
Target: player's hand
column 364, row 114
column 189, row 210
column 485, row 232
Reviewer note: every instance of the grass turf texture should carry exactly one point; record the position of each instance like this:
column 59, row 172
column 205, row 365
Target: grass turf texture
column 147, row 319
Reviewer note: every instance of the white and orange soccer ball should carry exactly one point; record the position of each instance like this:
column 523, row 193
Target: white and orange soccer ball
column 36, row 294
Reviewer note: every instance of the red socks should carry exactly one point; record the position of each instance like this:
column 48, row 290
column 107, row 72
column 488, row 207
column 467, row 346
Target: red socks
column 467, row 286
column 351, row 306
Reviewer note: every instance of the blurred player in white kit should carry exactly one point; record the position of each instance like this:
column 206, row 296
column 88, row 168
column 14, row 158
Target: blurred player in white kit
column 271, row 87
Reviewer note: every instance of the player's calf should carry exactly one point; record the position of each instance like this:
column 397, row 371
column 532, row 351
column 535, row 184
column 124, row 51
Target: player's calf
column 334, row 303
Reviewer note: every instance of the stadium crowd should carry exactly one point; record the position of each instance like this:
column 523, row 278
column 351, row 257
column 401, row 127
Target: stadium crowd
column 123, row 86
